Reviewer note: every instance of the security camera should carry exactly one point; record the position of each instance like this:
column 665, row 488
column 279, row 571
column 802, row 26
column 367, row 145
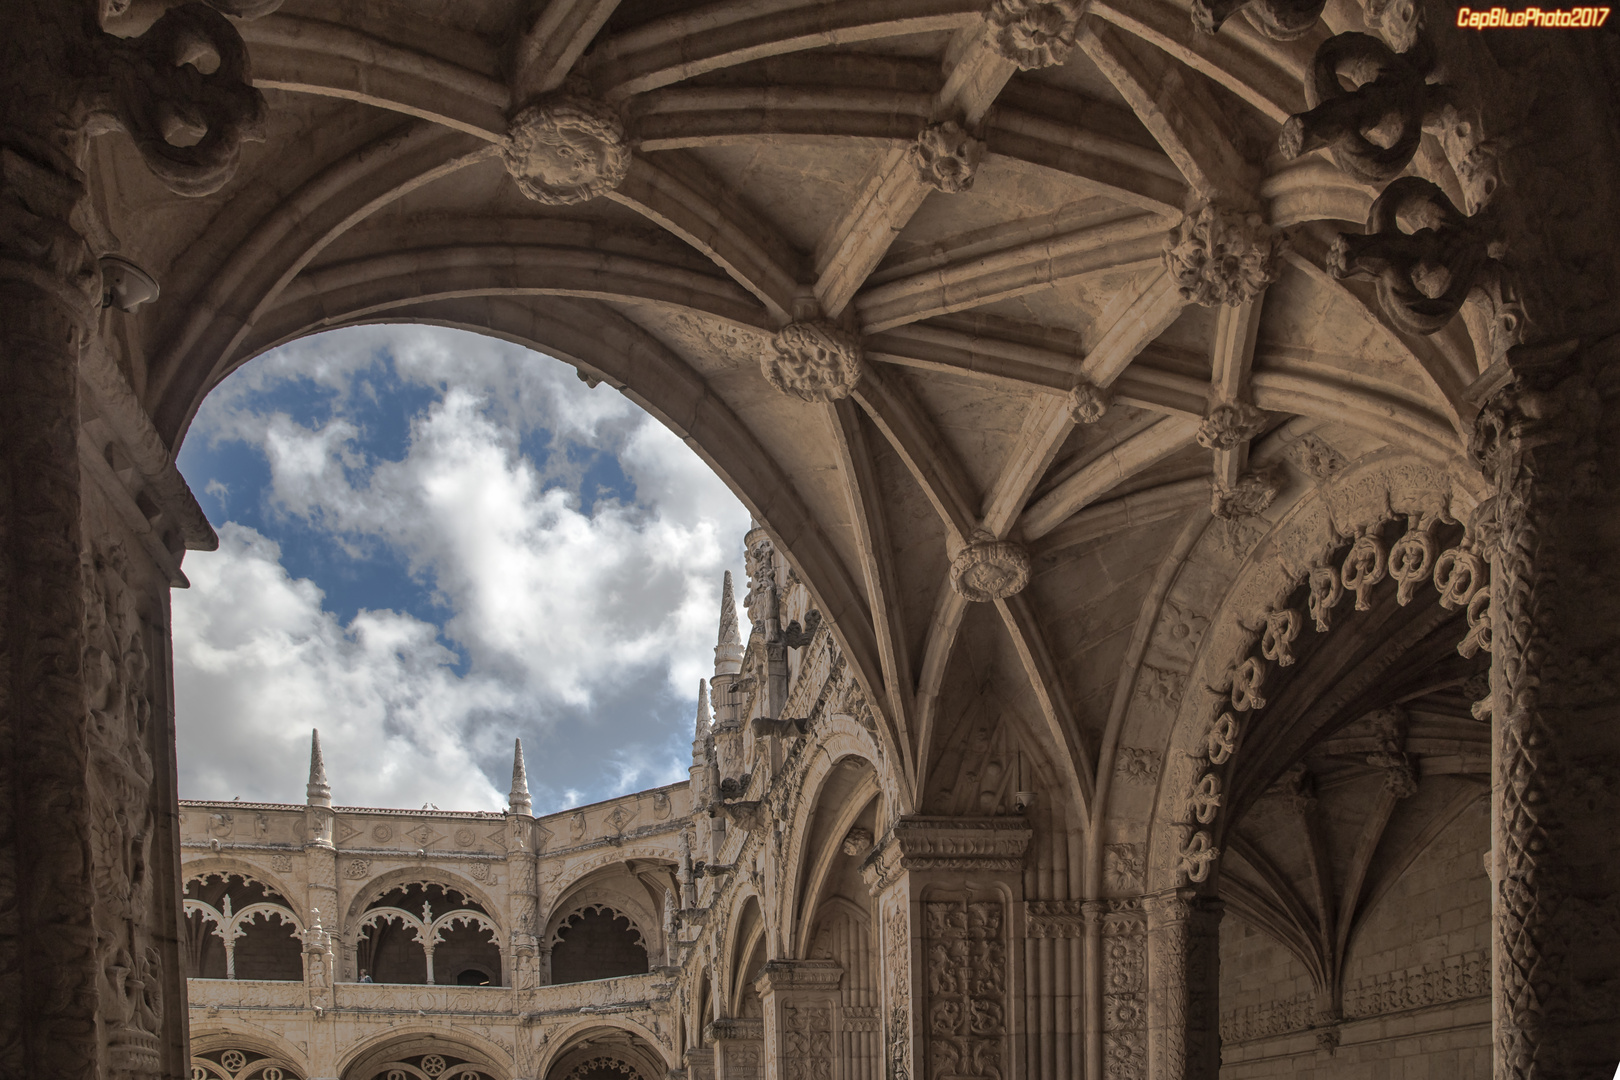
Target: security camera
column 1022, row 801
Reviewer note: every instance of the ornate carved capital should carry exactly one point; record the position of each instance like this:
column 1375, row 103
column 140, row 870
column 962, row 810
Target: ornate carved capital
column 1035, row 33
column 1218, row 255
column 564, row 149
column 814, row 361
column 1059, row 919
column 989, row 569
column 993, row 845
column 946, row 156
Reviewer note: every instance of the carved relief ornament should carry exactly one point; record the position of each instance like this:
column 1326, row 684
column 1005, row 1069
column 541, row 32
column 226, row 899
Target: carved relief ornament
column 564, row 149
column 1088, row 402
column 989, row 569
column 1218, row 255
column 947, row 157
column 813, row 361
column 1035, row 33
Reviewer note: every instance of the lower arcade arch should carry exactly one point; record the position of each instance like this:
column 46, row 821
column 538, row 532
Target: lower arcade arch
column 238, row 1061
column 1339, row 835
column 607, row 1053
column 424, row 1056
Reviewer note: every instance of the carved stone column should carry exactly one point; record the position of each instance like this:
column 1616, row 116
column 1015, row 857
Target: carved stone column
column 1550, row 443
column 700, row 1063
column 522, row 952
column 1183, row 992
column 801, row 1006
column 948, row 894
column 739, row 1048
column 89, row 865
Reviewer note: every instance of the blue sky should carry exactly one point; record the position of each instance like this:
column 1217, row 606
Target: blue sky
column 433, row 542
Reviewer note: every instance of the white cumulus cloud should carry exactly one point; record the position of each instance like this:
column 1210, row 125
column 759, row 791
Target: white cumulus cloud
column 578, row 621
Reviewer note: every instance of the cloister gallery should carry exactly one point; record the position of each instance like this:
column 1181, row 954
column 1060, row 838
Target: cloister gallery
column 1183, row 605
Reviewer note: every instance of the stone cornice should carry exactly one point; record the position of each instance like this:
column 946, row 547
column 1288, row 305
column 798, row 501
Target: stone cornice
column 799, row 975
column 734, row 1028
column 993, row 844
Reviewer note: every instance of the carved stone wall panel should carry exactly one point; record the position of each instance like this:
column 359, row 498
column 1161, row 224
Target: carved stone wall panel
column 133, row 840
column 1124, row 944
column 966, row 977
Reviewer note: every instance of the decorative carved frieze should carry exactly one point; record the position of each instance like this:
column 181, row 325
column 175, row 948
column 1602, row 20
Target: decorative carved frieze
column 1035, row 33
column 946, row 156
column 1218, row 255
column 989, row 569
column 1465, row 977
column 565, row 149
column 813, row 361
column 1060, row 919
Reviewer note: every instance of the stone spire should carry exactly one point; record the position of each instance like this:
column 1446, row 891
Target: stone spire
column 518, row 800
column 318, row 791
column 728, row 653
column 701, row 730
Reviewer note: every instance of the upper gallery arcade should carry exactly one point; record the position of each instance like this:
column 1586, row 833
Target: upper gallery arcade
column 1181, row 437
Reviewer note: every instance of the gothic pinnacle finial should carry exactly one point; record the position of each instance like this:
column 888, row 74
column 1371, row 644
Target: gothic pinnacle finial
column 728, row 653
column 317, row 791
column 518, row 800
column 701, row 730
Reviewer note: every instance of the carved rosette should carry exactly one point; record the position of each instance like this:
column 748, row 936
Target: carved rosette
column 814, row 361
column 946, row 156
column 989, row 569
column 1035, row 33
column 1088, row 402
column 1222, row 256
column 564, row 149
column 1230, row 425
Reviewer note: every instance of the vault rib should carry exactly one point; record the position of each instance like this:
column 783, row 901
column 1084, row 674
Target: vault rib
column 858, row 468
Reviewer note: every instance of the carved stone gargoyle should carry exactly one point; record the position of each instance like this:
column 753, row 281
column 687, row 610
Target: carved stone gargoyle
column 796, row 638
column 1373, row 130
column 1424, row 276
column 1280, row 20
